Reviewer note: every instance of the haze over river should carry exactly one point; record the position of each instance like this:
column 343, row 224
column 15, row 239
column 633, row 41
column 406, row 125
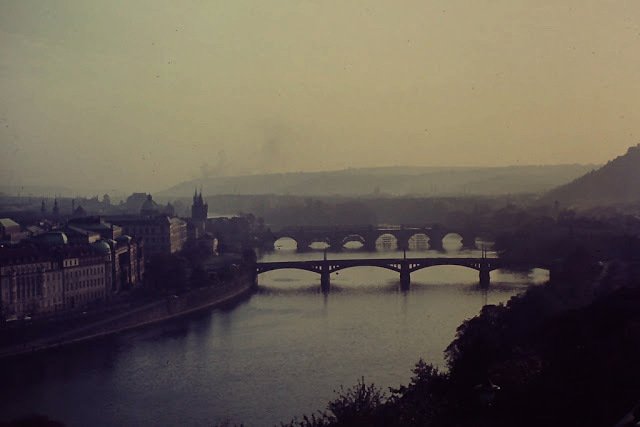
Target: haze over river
column 280, row 353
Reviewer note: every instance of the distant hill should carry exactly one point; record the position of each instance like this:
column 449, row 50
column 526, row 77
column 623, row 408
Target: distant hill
column 617, row 182
column 59, row 191
column 396, row 181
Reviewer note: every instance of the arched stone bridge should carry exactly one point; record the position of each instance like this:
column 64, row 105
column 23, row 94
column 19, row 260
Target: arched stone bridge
column 336, row 237
column 404, row 266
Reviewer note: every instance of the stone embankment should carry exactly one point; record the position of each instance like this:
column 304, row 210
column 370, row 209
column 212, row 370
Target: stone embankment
column 158, row 311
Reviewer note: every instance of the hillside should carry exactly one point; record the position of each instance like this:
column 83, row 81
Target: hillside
column 617, row 182
column 396, row 181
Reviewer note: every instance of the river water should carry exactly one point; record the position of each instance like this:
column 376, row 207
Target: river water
column 278, row 354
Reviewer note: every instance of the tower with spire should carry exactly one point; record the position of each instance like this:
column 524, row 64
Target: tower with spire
column 56, row 209
column 199, row 212
column 199, row 209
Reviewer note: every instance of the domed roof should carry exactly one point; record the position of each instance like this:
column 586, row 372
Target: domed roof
column 123, row 238
column 103, row 247
column 79, row 212
column 149, row 207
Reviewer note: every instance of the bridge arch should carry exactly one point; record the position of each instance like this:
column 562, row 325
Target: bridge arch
column 424, row 267
column 319, row 244
column 419, row 241
column 386, row 241
column 452, row 241
column 353, row 238
column 291, row 267
column 386, row 267
column 285, row 243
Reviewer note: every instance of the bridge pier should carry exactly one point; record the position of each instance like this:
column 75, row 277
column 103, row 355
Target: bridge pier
column 405, row 277
column 485, row 276
column 435, row 243
column 335, row 245
column 402, row 243
column 303, row 245
column 370, row 244
column 325, row 279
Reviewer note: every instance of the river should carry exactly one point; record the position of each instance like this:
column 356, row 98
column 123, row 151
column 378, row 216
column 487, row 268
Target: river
column 280, row 353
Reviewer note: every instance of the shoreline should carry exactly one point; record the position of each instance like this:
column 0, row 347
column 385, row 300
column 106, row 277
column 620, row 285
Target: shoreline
column 153, row 313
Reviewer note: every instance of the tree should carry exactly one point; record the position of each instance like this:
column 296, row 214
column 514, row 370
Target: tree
column 356, row 406
column 198, row 277
column 167, row 272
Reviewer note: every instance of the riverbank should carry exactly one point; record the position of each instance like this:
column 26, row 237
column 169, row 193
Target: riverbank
column 161, row 310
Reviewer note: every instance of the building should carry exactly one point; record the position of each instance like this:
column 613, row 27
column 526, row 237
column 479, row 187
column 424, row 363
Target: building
column 56, row 208
column 79, row 212
column 169, row 210
column 161, row 234
column 84, row 276
column 233, row 234
column 34, row 230
column 29, row 283
column 199, row 209
column 10, row 231
column 98, row 225
column 134, row 202
column 149, row 208
column 79, row 236
column 126, row 262
column 199, row 213
column 126, row 253
column 208, row 243
column 59, row 271
column 51, row 276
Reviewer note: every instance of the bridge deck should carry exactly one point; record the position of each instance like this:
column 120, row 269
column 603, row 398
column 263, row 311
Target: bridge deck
column 404, row 266
column 396, row 264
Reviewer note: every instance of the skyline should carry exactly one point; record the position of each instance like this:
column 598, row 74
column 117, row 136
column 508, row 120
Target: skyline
column 150, row 94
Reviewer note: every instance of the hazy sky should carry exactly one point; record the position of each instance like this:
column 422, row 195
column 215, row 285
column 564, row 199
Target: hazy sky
column 145, row 94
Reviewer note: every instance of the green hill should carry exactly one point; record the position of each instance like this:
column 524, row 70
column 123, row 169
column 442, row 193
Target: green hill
column 617, row 182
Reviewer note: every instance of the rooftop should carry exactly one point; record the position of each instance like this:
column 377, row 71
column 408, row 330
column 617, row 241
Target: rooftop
column 8, row 223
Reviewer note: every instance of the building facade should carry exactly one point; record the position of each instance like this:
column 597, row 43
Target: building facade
column 98, row 225
column 84, row 278
column 125, row 253
column 37, row 281
column 50, row 274
column 29, row 282
column 10, row 231
column 161, row 234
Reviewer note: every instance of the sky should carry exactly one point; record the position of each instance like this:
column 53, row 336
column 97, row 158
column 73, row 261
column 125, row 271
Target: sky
column 141, row 95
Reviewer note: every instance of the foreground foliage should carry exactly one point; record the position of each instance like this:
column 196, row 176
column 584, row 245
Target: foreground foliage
column 565, row 354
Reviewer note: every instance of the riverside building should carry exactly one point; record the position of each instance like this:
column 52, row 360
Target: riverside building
column 161, row 234
column 50, row 277
column 48, row 274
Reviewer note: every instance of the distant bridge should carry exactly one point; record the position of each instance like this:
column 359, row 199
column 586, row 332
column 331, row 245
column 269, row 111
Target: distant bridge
column 368, row 235
column 404, row 266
